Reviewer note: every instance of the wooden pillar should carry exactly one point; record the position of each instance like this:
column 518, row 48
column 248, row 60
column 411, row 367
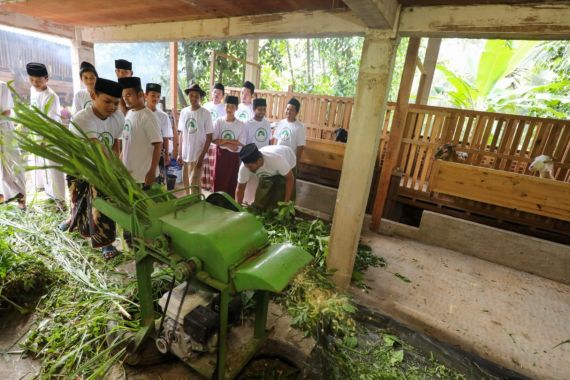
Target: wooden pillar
column 430, row 61
column 253, row 73
column 174, row 92
column 395, row 137
column 366, row 126
column 80, row 51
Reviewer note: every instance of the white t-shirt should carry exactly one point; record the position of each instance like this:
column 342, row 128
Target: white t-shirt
column 108, row 130
column 277, row 160
column 164, row 123
column 245, row 112
column 290, row 134
column 81, row 100
column 216, row 110
column 40, row 99
column 140, row 132
column 258, row 132
column 6, row 104
column 194, row 125
column 234, row 130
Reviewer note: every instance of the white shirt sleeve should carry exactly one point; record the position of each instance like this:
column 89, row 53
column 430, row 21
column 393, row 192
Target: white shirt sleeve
column 282, row 167
column 301, row 138
column 118, row 132
column 152, row 129
column 242, row 138
column 217, row 128
column 208, row 125
column 76, row 106
column 244, row 174
column 6, row 101
column 182, row 121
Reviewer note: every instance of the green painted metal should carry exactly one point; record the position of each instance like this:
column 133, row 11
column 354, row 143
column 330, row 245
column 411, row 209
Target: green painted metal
column 220, row 238
column 270, row 269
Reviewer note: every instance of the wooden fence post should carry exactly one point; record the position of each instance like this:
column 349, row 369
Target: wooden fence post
column 395, row 139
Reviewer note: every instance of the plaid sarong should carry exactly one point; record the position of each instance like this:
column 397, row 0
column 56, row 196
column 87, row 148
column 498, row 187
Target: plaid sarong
column 208, row 169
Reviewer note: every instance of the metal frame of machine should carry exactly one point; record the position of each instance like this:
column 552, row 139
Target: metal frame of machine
column 215, row 243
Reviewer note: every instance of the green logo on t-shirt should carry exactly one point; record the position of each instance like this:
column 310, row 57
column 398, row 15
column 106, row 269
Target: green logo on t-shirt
column 127, row 130
column 106, row 138
column 243, row 115
column 261, row 135
column 191, row 126
column 214, row 114
column 285, row 135
column 228, row 135
column 87, row 104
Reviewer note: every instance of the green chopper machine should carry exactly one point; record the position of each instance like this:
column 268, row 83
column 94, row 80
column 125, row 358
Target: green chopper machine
column 217, row 251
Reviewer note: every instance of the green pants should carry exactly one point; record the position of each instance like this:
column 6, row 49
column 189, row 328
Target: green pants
column 270, row 190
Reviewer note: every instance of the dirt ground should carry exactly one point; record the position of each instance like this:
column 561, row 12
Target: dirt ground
column 508, row 317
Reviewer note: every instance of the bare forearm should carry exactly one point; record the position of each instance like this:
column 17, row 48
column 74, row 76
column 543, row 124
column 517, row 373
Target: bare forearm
column 206, row 146
column 240, row 191
column 289, row 183
column 299, row 153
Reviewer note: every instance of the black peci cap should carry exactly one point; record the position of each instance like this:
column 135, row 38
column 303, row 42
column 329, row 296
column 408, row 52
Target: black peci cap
column 153, row 87
column 230, row 99
column 295, row 103
column 130, row 82
column 219, row 86
column 259, row 102
column 249, row 154
column 123, row 64
column 251, row 86
column 109, row 87
column 86, row 67
column 35, row 69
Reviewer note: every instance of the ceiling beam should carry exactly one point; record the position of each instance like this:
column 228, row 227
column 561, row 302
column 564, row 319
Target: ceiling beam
column 280, row 25
column 505, row 21
column 375, row 13
column 17, row 20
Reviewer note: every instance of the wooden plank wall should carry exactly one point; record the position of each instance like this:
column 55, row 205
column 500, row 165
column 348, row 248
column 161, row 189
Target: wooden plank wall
column 530, row 194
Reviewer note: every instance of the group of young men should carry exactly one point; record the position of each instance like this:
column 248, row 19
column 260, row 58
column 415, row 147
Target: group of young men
column 226, row 144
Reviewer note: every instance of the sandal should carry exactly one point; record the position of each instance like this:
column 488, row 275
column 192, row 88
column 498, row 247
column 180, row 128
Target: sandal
column 109, row 252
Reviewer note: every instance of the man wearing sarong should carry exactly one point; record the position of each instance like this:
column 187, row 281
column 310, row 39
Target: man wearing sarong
column 12, row 179
column 229, row 136
column 103, row 123
column 273, row 165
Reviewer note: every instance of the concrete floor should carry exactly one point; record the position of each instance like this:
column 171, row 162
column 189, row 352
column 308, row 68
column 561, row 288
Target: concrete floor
column 508, row 317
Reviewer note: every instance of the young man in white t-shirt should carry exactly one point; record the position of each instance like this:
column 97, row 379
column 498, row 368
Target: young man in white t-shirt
column 12, row 178
column 52, row 180
column 258, row 127
column 290, row 131
column 194, row 135
column 216, row 106
column 123, row 69
column 152, row 96
column 142, row 139
column 245, row 108
column 88, row 76
column 273, row 166
column 229, row 136
column 101, row 122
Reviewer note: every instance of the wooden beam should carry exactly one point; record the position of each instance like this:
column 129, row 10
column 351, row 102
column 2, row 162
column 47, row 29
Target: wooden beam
column 395, row 140
column 506, row 21
column 80, row 51
column 279, row 25
column 430, row 61
column 253, row 72
column 17, row 20
column 372, row 88
column 174, row 93
column 375, row 13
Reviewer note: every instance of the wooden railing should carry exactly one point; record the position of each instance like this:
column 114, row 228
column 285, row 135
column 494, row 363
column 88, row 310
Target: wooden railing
column 491, row 140
column 321, row 115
